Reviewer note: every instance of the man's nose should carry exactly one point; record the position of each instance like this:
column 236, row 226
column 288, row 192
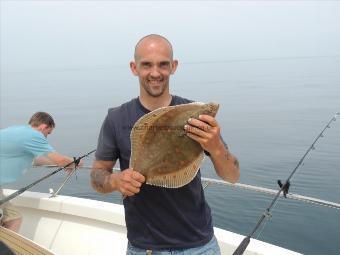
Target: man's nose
column 155, row 71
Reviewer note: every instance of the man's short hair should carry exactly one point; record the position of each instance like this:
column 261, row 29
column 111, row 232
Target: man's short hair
column 41, row 118
column 153, row 36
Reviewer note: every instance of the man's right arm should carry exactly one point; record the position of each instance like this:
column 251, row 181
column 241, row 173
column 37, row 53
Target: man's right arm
column 103, row 180
column 101, row 176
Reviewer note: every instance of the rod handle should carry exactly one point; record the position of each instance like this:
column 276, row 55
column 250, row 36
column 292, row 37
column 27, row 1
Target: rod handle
column 242, row 247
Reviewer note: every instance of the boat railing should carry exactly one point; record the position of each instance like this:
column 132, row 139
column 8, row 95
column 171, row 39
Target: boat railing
column 208, row 181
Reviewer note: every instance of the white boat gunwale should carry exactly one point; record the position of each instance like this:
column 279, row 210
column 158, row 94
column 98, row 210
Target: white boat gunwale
column 64, row 221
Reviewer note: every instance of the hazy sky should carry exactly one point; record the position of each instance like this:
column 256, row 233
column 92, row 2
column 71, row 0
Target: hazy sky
column 71, row 34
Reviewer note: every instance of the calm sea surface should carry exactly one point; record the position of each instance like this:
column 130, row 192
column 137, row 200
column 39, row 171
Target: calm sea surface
column 276, row 93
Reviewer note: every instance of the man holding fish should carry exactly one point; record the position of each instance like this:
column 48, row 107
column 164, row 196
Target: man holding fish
column 159, row 220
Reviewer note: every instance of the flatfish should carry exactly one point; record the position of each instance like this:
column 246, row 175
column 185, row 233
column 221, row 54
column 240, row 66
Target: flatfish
column 160, row 148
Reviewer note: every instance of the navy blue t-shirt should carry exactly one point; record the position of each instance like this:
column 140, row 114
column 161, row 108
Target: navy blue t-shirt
column 157, row 218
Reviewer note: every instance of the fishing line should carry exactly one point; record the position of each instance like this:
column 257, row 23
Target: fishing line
column 22, row 190
column 283, row 188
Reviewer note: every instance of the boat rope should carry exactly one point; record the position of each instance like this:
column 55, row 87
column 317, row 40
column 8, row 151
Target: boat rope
column 283, row 188
column 22, row 190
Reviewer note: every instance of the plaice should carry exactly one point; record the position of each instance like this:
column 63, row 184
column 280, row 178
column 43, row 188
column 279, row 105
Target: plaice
column 160, row 148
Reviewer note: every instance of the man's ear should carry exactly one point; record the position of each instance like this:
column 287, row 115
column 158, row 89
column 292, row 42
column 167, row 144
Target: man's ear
column 133, row 67
column 42, row 127
column 174, row 66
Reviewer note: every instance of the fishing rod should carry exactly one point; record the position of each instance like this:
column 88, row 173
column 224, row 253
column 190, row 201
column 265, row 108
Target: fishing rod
column 22, row 190
column 283, row 188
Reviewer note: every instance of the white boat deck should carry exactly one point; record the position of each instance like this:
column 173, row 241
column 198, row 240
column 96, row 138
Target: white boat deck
column 77, row 226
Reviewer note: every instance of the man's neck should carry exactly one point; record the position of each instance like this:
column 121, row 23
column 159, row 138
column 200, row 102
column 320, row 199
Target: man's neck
column 34, row 127
column 153, row 103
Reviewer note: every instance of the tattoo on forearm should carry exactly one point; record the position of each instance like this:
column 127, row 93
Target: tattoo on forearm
column 227, row 155
column 99, row 179
column 236, row 163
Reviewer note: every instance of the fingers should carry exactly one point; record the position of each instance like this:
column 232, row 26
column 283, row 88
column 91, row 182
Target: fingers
column 209, row 119
column 197, row 127
column 197, row 138
column 203, row 126
column 133, row 179
column 138, row 176
column 204, row 130
column 130, row 182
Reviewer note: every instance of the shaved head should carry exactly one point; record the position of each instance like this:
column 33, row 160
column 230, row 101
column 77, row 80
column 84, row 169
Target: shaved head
column 149, row 39
column 153, row 64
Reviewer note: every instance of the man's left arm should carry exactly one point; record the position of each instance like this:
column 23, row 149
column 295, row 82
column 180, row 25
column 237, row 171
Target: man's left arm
column 42, row 160
column 206, row 132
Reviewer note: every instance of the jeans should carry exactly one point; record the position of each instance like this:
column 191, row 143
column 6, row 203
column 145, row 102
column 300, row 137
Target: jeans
column 211, row 248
